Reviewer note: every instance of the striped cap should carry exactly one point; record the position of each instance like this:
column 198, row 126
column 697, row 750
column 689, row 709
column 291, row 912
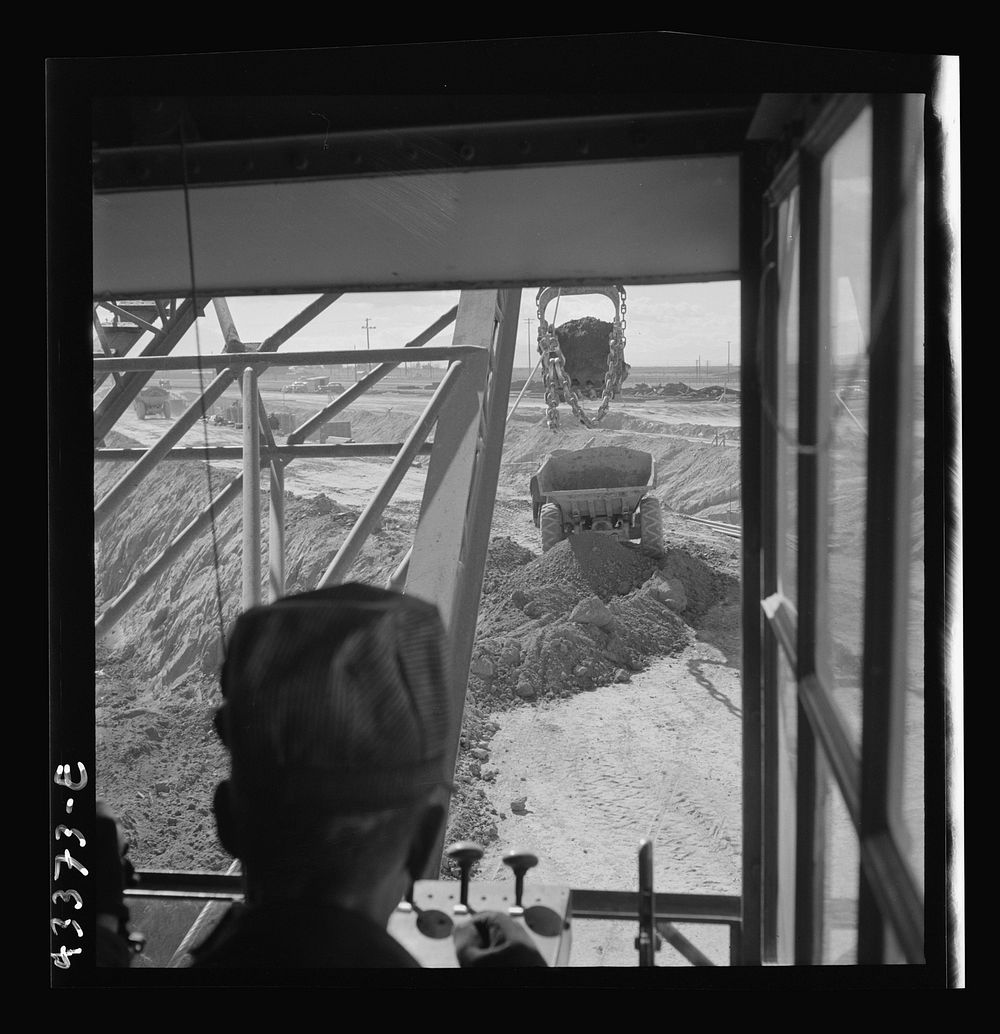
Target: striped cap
column 338, row 698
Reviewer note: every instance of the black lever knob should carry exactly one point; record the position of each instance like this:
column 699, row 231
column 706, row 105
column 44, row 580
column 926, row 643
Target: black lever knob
column 465, row 854
column 520, row 862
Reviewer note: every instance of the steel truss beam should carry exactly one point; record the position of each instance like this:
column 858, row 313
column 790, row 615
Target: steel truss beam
column 287, row 453
column 118, row 607
column 301, row 433
column 107, row 349
column 148, row 458
column 110, row 409
column 355, row 540
column 210, row 394
column 277, row 457
column 341, row 357
column 447, row 564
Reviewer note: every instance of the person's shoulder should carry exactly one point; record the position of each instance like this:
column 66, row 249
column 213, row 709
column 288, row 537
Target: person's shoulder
column 306, row 936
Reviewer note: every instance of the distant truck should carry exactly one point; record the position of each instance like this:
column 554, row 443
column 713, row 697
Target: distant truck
column 153, row 401
column 317, row 383
column 607, row 490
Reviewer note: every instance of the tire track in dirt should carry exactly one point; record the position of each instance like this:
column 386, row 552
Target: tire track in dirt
column 657, row 758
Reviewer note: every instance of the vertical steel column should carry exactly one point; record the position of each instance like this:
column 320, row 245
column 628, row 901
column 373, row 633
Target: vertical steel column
column 437, row 543
column 276, row 493
column 276, row 533
column 276, row 505
column 752, row 187
column 447, row 558
column 479, row 518
column 251, row 492
column 810, row 800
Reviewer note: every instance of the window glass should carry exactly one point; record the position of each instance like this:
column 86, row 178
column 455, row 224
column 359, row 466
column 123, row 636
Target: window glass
column 911, row 826
column 787, row 765
column 840, row 897
column 844, row 326
column 788, row 391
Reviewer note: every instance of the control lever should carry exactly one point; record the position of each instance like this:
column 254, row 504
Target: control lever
column 520, row 862
column 538, row 918
column 464, row 854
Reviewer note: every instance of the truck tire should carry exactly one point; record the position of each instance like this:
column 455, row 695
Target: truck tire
column 140, row 408
column 651, row 526
column 551, row 522
column 166, row 410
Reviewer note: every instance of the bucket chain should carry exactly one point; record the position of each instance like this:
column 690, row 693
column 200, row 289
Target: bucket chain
column 559, row 385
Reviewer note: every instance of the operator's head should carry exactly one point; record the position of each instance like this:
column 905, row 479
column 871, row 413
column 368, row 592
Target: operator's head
column 338, row 717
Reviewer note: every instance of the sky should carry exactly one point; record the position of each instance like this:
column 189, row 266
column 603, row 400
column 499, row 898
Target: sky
column 670, row 325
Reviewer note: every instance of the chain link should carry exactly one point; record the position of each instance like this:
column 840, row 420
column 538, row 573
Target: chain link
column 559, row 385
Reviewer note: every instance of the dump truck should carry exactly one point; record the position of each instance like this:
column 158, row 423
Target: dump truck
column 153, row 401
column 607, row 490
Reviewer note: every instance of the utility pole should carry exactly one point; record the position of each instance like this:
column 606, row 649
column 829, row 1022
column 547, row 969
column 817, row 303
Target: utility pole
column 367, row 328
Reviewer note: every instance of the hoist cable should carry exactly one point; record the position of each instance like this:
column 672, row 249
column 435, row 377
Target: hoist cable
column 201, row 385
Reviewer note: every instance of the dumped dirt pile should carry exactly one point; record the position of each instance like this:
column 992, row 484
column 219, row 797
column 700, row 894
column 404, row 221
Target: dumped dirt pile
column 587, row 613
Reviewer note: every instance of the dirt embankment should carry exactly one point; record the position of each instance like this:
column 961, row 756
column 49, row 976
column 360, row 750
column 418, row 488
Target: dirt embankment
column 157, row 671
column 692, row 477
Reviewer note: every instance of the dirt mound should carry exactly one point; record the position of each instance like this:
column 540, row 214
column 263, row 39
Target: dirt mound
column 383, row 426
column 503, row 556
column 586, row 564
column 176, row 628
column 158, row 761
column 586, row 613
